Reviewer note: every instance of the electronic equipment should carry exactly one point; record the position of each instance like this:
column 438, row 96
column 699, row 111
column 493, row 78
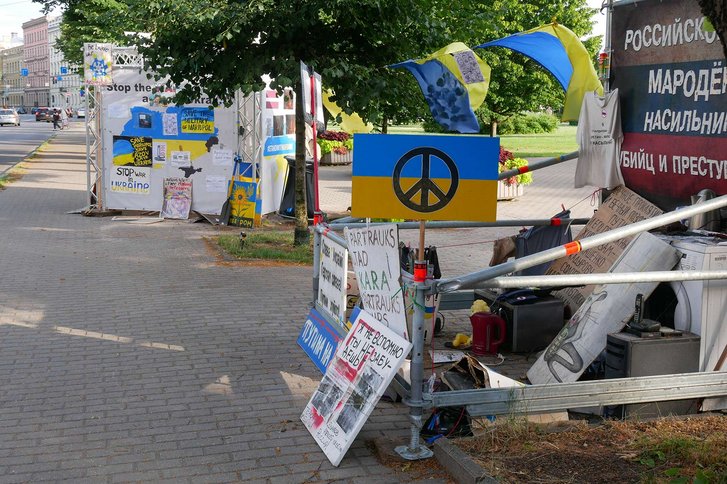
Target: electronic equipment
column 628, row 355
column 531, row 322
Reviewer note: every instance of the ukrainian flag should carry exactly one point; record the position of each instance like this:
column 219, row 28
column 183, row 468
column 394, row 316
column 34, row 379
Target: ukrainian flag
column 454, row 82
column 426, row 177
column 561, row 52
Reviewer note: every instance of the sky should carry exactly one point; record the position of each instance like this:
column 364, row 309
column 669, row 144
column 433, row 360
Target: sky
column 13, row 13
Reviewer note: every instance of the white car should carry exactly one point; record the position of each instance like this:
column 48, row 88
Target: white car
column 9, row 116
column 81, row 113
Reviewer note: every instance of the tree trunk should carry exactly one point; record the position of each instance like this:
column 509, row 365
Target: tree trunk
column 384, row 125
column 301, row 236
column 716, row 12
column 493, row 129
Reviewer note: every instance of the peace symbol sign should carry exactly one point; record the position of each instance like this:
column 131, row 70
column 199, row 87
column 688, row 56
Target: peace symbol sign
column 425, row 186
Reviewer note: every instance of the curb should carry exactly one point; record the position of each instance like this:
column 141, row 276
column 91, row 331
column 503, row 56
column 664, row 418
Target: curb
column 29, row 155
column 459, row 465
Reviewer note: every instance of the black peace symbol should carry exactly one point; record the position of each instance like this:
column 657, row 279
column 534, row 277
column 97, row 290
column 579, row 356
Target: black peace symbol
column 425, row 185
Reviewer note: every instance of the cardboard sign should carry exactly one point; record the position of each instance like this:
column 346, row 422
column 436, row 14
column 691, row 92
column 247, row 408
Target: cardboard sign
column 374, row 255
column 319, row 340
column 669, row 67
column 364, row 365
column 606, row 310
column 242, row 203
column 332, row 283
column 177, row 198
column 425, row 177
column 622, row 207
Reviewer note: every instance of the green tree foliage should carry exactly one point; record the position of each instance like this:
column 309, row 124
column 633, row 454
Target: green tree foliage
column 716, row 12
column 221, row 46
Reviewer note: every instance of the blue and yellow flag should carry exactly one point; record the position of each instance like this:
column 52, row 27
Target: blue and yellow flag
column 561, row 52
column 425, row 177
column 454, row 81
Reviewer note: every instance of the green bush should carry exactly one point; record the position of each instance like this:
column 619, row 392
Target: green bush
column 528, row 124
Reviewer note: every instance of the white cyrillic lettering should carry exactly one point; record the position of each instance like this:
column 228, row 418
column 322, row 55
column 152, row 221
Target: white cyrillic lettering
column 702, row 88
column 690, row 83
column 655, row 81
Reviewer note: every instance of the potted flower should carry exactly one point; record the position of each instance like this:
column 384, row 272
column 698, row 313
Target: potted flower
column 512, row 187
column 336, row 147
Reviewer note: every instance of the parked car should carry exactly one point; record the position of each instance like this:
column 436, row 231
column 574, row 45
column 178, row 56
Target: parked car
column 21, row 110
column 81, row 112
column 34, row 110
column 9, row 116
column 44, row 114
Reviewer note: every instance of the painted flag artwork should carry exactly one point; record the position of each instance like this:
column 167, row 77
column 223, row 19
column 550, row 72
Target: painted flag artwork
column 454, row 81
column 561, row 53
column 425, row 177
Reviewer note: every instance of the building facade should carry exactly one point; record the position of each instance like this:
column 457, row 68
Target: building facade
column 65, row 84
column 13, row 90
column 36, row 58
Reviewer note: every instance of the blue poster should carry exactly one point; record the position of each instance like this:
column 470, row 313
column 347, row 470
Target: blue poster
column 319, row 340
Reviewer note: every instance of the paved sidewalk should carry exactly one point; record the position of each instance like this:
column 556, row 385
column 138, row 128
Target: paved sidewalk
column 128, row 353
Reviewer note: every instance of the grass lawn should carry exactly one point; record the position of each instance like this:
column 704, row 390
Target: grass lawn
column 267, row 245
column 562, row 141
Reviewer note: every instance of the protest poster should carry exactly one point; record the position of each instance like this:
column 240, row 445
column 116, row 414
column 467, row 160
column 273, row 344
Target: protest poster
column 605, row 311
column 132, row 151
column 332, row 281
column 97, row 64
column 374, row 253
column 242, row 204
column 198, row 120
column 131, row 180
column 319, row 340
column 177, row 198
column 364, row 365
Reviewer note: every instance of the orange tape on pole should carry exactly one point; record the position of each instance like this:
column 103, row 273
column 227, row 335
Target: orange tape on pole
column 523, row 169
column 572, row 247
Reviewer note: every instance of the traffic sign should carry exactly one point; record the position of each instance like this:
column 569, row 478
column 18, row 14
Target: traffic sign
column 425, row 177
column 64, row 70
column 23, row 72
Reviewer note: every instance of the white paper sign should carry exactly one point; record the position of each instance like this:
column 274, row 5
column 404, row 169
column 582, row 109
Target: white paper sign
column 216, row 184
column 374, row 253
column 159, row 152
column 169, row 124
column 222, row 157
column 364, row 365
column 131, row 180
column 332, row 281
column 181, row 158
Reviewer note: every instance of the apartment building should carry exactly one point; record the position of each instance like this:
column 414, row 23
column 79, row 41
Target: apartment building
column 36, row 57
column 65, row 84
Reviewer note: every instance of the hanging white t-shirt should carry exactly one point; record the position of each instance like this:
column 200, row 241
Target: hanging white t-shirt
column 599, row 141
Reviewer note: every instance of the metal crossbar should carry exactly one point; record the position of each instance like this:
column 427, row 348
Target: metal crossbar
column 561, row 396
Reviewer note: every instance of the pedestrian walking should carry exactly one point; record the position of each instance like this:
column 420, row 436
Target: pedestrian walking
column 64, row 119
column 56, row 118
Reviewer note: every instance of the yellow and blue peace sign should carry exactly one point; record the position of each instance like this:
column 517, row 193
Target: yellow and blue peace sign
column 425, row 177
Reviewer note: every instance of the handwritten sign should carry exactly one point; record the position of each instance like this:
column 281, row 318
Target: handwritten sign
column 198, row 120
column 319, row 340
column 129, row 179
column 363, row 367
column 97, row 64
column 333, row 270
column 132, row 151
column 374, row 253
column 177, row 198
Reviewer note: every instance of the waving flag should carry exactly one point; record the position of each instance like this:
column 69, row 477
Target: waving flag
column 454, row 81
column 558, row 50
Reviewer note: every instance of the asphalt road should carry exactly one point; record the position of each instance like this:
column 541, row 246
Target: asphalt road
column 16, row 142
